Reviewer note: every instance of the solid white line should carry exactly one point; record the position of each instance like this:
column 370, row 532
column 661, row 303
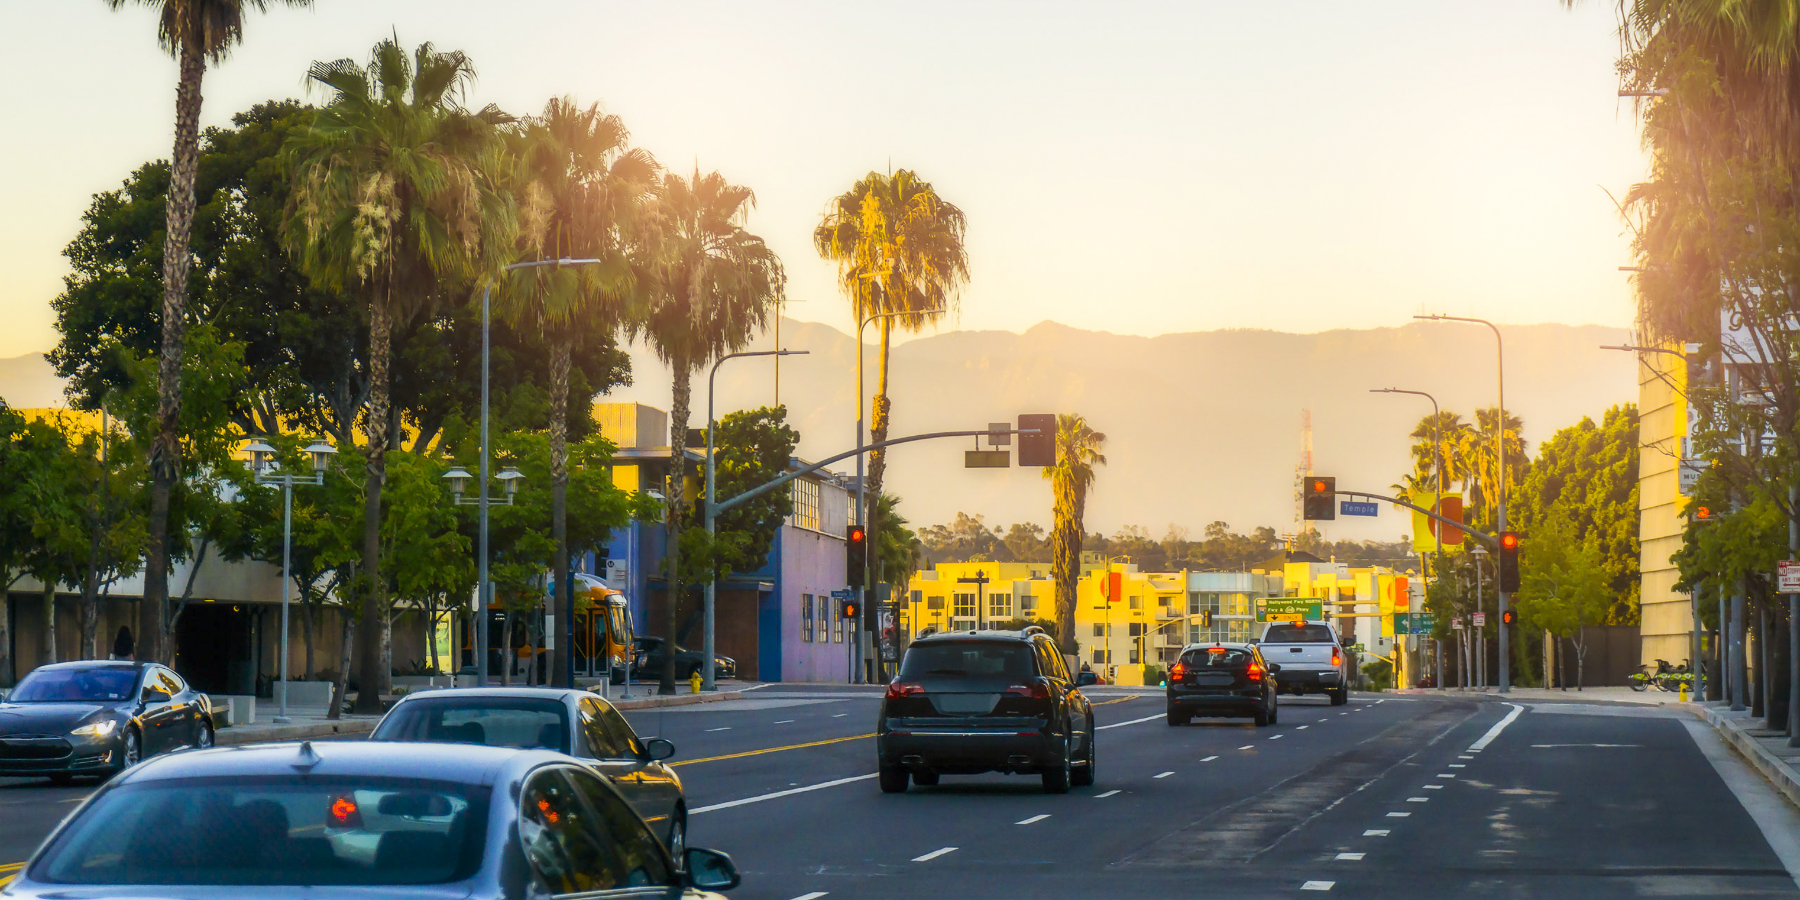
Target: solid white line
column 1376, row 832
column 1398, row 815
column 1246, row 746
column 1499, row 726
column 815, row 895
column 726, row 728
column 1165, row 774
column 787, row 793
column 1105, row 795
column 1317, row 885
column 1350, row 856
column 1209, row 759
column 1132, row 722
column 1037, row 818
column 934, row 854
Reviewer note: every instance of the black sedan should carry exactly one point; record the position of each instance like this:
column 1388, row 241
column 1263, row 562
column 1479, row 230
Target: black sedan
column 361, row 819
column 647, row 662
column 98, row 717
column 1222, row 680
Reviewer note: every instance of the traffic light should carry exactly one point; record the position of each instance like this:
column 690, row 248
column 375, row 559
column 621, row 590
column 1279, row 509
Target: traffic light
column 1319, row 502
column 1037, row 449
column 1509, row 617
column 847, row 609
column 856, row 556
column 1509, row 562
column 1704, row 514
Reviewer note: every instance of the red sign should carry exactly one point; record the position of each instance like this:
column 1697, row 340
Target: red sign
column 1450, row 508
column 1115, row 586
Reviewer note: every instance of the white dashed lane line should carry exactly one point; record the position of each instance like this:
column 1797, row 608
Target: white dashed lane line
column 1459, row 765
column 1446, row 774
column 1317, row 885
column 1398, row 815
column 1353, row 857
column 784, row 722
column 1434, row 787
column 1037, row 818
column 1105, row 795
column 815, row 895
column 1278, row 737
column 840, row 715
column 1165, row 774
column 1303, row 728
column 1465, row 756
column 1376, row 832
column 934, row 854
column 1209, row 759
column 1418, row 799
column 726, row 728
column 1247, row 747
column 1132, row 722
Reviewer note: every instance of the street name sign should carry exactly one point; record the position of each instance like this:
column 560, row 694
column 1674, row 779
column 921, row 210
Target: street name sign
column 1291, row 609
column 1358, row 508
column 1787, row 577
column 843, row 594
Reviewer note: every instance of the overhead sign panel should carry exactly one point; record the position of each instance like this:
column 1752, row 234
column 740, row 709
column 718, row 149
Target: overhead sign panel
column 1290, row 609
column 1358, row 508
column 987, row 459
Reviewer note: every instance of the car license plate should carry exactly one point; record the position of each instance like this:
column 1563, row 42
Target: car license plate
column 965, row 704
column 1215, row 679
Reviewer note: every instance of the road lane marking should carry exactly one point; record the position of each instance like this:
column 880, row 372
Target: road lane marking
column 1132, row 722
column 1398, row 815
column 815, row 895
column 1434, row 787
column 1499, row 726
column 854, row 737
column 1418, row 799
column 1278, row 737
column 1317, row 885
column 1105, row 795
column 934, row 854
column 1037, row 818
column 838, row 716
column 726, row 728
column 1118, row 700
column 787, row 793
column 1353, row 857
column 1376, row 832
column 1466, row 756
column 1303, row 728
column 1343, row 714
column 1458, row 765
column 1209, row 759
column 1165, row 774
column 785, row 722
column 1446, row 774
column 1247, row 747
column 1539, row 746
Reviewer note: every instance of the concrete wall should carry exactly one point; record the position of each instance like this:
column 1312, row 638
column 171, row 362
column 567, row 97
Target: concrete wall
column 811, row 562
column 1662, row 423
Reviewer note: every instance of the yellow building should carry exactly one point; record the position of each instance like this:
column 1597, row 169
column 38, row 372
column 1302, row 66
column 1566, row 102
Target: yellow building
column 1668, row 619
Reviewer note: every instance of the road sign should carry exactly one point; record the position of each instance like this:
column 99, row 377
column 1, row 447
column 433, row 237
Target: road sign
column 1787, row 577
column 1480, row 619
column 1283, row 617
column 1691, row 470
column 844, row 594
column 987, row 459
column 1358, row 508
column 1292, row 609
column 1457, row 623
column 1414, row 623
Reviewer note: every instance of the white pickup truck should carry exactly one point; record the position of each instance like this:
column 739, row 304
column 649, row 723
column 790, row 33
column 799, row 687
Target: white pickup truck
column 1310, row 658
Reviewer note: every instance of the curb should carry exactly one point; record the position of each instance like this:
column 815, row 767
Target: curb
column 1779, row 773
column 242, row 734
column 676, row 700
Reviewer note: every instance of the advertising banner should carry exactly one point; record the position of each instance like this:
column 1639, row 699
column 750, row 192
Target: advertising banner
column 1425, row 528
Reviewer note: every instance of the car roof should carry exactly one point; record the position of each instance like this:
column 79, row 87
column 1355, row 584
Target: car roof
column 96, row 664
column 460, row 763
column 1228, row 645
column 995, row 635
column 531, row 693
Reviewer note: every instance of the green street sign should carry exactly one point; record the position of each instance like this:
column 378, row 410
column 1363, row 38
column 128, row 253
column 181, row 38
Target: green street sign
column 1288, row 608
column 1414, row 623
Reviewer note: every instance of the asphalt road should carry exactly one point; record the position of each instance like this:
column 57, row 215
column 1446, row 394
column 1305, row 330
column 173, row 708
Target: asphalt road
column 1395, row 796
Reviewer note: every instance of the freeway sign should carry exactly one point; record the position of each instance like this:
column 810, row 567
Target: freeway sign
column 1291, row 609
column 1414, row 623
column 1355, row 508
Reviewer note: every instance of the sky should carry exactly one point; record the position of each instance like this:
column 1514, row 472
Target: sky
column 1138, row 168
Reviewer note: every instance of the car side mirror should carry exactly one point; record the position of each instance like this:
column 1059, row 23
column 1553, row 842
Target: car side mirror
column 1086, row 678
column 709, row 870
column 1274, row 667
column 148, row 695
column 659, row 748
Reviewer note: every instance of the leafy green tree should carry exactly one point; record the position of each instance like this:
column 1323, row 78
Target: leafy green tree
column 1567, row 585
column 752, row 448
column 1071, row 477
column 195, row 32
column 389, row 203
column 1586, row 475
column 966, row 539
column 898, row 546
column 46, row 477
column 714, row 285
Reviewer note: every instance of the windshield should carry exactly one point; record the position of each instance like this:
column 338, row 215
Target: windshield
column 969, row 659
column 1298, row 634
column 287, row 830
column 1216, row 657
column 108, row 684
column 518, row 722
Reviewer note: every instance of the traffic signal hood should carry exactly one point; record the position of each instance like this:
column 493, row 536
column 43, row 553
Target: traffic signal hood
column 1319, row 499
column 1509, row 562
column 847, row 608
column 856, row 556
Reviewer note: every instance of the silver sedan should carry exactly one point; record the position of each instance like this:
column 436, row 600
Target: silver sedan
column 365, row 819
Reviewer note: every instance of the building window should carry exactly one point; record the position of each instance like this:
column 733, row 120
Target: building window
column 1099, row 630
column 806, row 504
column 1028, row 606
column 965, row 606
column 822, row 621
column 1137, row 629
column 1100, row 657
column 934, row 603
column 1137, row 602
column 806, row 617
column 999, row 607
column 837, row 623
column 916, row 595
column 1134, row 655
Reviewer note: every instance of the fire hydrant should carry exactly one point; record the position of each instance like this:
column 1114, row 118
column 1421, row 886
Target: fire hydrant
column 694, row 681
column 1684, row 692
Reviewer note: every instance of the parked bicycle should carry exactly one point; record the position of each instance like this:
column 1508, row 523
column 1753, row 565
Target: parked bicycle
column 1667, row 678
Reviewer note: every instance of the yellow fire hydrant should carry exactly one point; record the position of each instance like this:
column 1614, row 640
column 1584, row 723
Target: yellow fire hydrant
column 1684, row 692
column 694, row 681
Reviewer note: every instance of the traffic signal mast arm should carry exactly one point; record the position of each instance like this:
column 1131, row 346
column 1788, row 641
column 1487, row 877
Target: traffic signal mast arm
column 1488, row 539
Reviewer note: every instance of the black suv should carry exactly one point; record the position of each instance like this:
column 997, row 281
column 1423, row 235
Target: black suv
column 1222, row 680
column 985, row 701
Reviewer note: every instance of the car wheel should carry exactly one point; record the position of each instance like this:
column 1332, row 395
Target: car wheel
column 678, row 839
column 204, row 739
column 1058, row 776
column 925, row 777
column 131, row 751
column 1176, row 718
column 1084, row 776
column 1262, row 716
column 1274, row 711
column 1340, row 696
column 893, row 779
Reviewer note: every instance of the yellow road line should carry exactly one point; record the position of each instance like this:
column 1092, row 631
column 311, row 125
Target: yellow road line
column 854, row 737
column 12, row 867
column 1118, row 700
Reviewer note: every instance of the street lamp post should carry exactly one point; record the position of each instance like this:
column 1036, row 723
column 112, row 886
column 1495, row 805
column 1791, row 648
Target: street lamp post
column 1481, row 672
column 1437, row 444
column 1499, row 475
column 268, row 471
column 711, row 517
column 459, row 478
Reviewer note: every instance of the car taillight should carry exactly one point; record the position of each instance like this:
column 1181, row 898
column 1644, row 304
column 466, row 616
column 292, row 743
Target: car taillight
column 898, row 689
column 1178, row 673
column 1253, row 672
column 1036, row 690
column 1337, row 659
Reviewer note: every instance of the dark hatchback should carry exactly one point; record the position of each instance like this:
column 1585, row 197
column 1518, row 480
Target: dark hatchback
column 97, row 717
column 985, row 701
column 1222, row 680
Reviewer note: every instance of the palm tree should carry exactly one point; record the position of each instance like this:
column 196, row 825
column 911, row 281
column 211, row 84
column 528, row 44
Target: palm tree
column 581, row 191
column 1077, row 453
column 899, row 249
column 390, row 201
column 195, row 32
column 715, row 284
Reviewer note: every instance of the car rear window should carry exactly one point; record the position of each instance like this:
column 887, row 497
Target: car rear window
column 969, row 659
column 1297, row 634
column 515, row 722
column 1216, row 657
column 279, row 830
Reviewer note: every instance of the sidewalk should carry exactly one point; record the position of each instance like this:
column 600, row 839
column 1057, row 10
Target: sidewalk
column 1767, row 750
column 1608, row 694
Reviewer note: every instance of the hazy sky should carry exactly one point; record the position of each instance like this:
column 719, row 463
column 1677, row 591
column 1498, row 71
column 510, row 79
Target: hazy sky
column 1133, row 167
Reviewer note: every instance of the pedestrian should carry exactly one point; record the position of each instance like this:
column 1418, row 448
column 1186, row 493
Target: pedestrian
column 122, row 646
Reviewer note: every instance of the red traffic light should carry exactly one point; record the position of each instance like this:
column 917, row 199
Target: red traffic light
column 856, row 534
column 1509, row 541
column 1508, row 617
column 1318, row 487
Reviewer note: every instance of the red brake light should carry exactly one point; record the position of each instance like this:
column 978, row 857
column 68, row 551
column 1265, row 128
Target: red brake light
column 898, row 689
column 1036, row 690
column 1179, row 672
column 1337, row 659
column 343, row 812
column 1254, row 672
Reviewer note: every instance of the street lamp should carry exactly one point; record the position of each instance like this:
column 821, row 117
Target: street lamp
column 459, row 485
column 1499, row 473
column 269, row 471
column 1479, row 553
column 1437, row 441
column 712, row 580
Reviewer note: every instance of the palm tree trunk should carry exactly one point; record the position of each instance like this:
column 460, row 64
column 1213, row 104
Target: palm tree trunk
column 678, row 419
column 47, row 653
column 165, row 448
column 563, row 613
column 1065, row 561
column 878, row 431
column 510, row 658
column 369, row 673
column 341, row 684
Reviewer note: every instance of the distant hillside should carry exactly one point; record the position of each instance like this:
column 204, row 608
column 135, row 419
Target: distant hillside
column 1201, row 426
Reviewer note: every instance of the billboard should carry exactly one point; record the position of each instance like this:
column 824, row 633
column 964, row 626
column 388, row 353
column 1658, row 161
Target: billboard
column 1425, row 528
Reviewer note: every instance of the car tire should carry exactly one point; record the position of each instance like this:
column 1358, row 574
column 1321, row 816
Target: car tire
column 677, row 839
column 205, row 736
column 925, row 777
column 1084, row 776
column 893, row 779
column 1261, row 716
column 1176, row 718
column 1057, row 777
column 130, row 750
column 1274, row 711
column 1340, row 696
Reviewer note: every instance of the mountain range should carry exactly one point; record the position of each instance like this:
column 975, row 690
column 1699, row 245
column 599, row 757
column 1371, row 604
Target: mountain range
column 1200, row 426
